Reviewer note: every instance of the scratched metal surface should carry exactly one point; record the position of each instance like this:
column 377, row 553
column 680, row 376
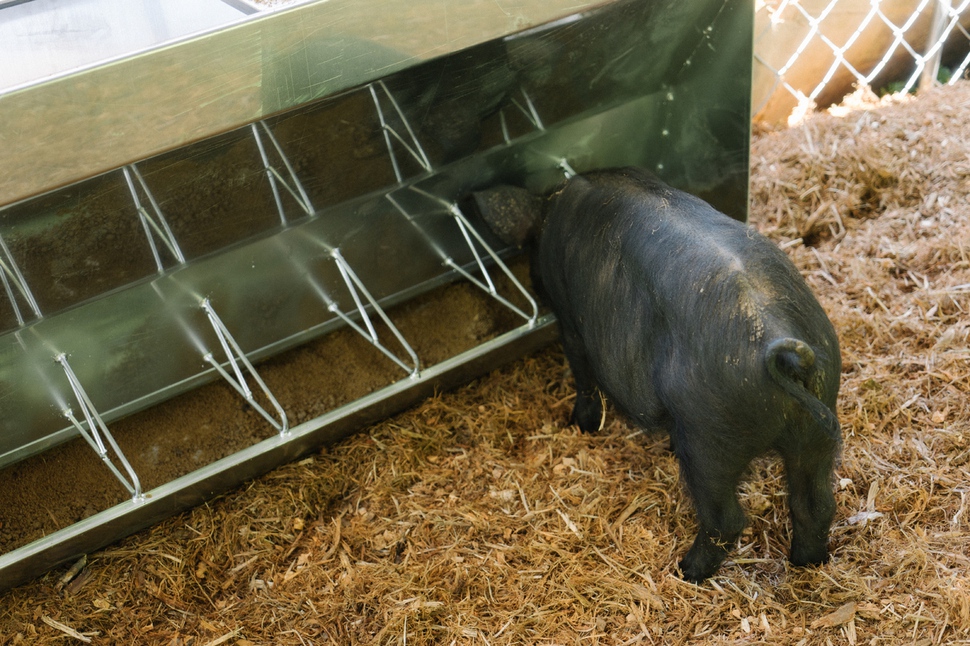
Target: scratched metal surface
column 159, row 98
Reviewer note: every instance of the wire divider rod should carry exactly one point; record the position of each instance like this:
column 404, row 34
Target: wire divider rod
column 358, row 292
column 96, row 432
column 414, row 147
column 238, row 362
column 150, row 223
column 472, row 236
column 361, row 320
column 529, row 111
column 13, row 279
column 291, row 183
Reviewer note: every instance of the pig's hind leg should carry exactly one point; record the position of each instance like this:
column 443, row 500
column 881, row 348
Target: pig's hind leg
column 809, row 459
column 711, row 475
column 588, row 408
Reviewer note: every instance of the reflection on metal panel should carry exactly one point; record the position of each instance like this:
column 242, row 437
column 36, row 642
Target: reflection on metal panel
column 152, row 101
column 45, row 38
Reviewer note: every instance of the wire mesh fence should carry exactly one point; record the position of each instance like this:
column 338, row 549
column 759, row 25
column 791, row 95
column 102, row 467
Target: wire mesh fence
column 811, row 53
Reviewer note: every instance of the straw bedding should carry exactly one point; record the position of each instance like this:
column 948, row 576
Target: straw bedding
column 481, row 517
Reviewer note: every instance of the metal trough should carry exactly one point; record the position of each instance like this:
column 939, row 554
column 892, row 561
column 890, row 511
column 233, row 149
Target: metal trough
column 213, row 183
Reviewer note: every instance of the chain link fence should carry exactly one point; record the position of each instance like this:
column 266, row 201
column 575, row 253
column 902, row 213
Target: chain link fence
column 810, row 54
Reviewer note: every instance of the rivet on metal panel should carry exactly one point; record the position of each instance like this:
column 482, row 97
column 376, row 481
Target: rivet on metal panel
column 10, row 273
column 291, row 184
column 97, row 433
column 566, row 168
column 156, row 223
column 414, row 147
column 471, row 236
column 238, row 361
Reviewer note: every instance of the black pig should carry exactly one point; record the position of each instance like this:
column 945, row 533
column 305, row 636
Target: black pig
column 690, row 321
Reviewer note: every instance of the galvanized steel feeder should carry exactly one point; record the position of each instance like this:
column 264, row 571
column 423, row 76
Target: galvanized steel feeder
column 179, row 199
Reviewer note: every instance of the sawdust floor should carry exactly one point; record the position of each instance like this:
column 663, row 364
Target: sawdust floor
column 481, row 517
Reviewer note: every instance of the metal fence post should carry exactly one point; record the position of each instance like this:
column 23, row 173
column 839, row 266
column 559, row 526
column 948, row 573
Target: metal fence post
column 934, row 48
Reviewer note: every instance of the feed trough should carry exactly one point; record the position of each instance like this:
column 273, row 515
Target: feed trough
column 206, row 185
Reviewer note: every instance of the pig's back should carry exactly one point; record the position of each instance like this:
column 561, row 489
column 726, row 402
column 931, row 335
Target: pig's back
column 651, row 275
column 633, row 233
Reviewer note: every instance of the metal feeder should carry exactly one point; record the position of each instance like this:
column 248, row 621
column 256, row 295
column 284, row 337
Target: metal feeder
column 173, row 209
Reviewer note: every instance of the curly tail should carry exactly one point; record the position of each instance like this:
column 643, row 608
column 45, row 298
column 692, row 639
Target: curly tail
column 798, row 357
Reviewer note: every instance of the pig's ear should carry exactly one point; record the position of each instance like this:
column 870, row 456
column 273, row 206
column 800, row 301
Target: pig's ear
column 512, row 213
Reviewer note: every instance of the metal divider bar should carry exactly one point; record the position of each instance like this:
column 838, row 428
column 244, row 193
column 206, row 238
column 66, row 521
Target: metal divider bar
column 237, row 380
column 97, row 432
column 414, row 148
column 364, row 304
column 159, row 226
column 529, row 111
column 10, row 273
column 352, row 282
column 296, row 190
column 468, row 233
column 357, row 288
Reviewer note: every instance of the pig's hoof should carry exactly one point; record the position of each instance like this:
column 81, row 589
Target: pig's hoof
column 588, row 417
column 695, row 572
column 808, row 555
column 702, row 561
